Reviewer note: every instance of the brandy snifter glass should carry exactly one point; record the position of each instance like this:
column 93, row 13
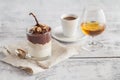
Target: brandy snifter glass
column 93, row 24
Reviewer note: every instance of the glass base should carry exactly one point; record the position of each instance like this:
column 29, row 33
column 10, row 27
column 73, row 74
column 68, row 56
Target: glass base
column 40, row 59
column 93, row 46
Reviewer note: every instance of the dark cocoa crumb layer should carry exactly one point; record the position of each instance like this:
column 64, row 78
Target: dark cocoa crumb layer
column 39, row 38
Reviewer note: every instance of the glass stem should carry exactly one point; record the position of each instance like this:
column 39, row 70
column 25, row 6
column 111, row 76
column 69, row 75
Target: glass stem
column 92, row 42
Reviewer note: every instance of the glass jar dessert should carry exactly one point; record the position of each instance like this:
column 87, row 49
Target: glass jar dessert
column 39, row 40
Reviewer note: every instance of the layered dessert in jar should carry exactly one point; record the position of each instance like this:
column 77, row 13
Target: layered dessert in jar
column 39, row 40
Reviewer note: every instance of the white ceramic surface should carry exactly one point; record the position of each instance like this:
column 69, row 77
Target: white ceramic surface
column 69, row 26
column 57, row 33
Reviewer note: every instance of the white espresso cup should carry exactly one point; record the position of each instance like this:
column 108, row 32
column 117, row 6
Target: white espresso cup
column 69, row 24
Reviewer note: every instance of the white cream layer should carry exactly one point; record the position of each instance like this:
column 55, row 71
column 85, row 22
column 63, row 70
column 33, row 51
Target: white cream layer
column 40, row 50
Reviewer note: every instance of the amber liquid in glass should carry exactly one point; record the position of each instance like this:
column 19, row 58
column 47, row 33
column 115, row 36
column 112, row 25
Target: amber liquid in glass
column 92, row 28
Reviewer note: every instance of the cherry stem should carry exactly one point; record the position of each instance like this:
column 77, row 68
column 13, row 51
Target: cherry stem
column 37, row 23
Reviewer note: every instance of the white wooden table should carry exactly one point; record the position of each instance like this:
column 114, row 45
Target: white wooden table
column 14, row 19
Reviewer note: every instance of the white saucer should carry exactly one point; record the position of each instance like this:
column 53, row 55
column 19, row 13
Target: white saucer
column 58, row 34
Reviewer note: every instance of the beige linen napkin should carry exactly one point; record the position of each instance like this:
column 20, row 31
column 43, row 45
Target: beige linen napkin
column 59, row 53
